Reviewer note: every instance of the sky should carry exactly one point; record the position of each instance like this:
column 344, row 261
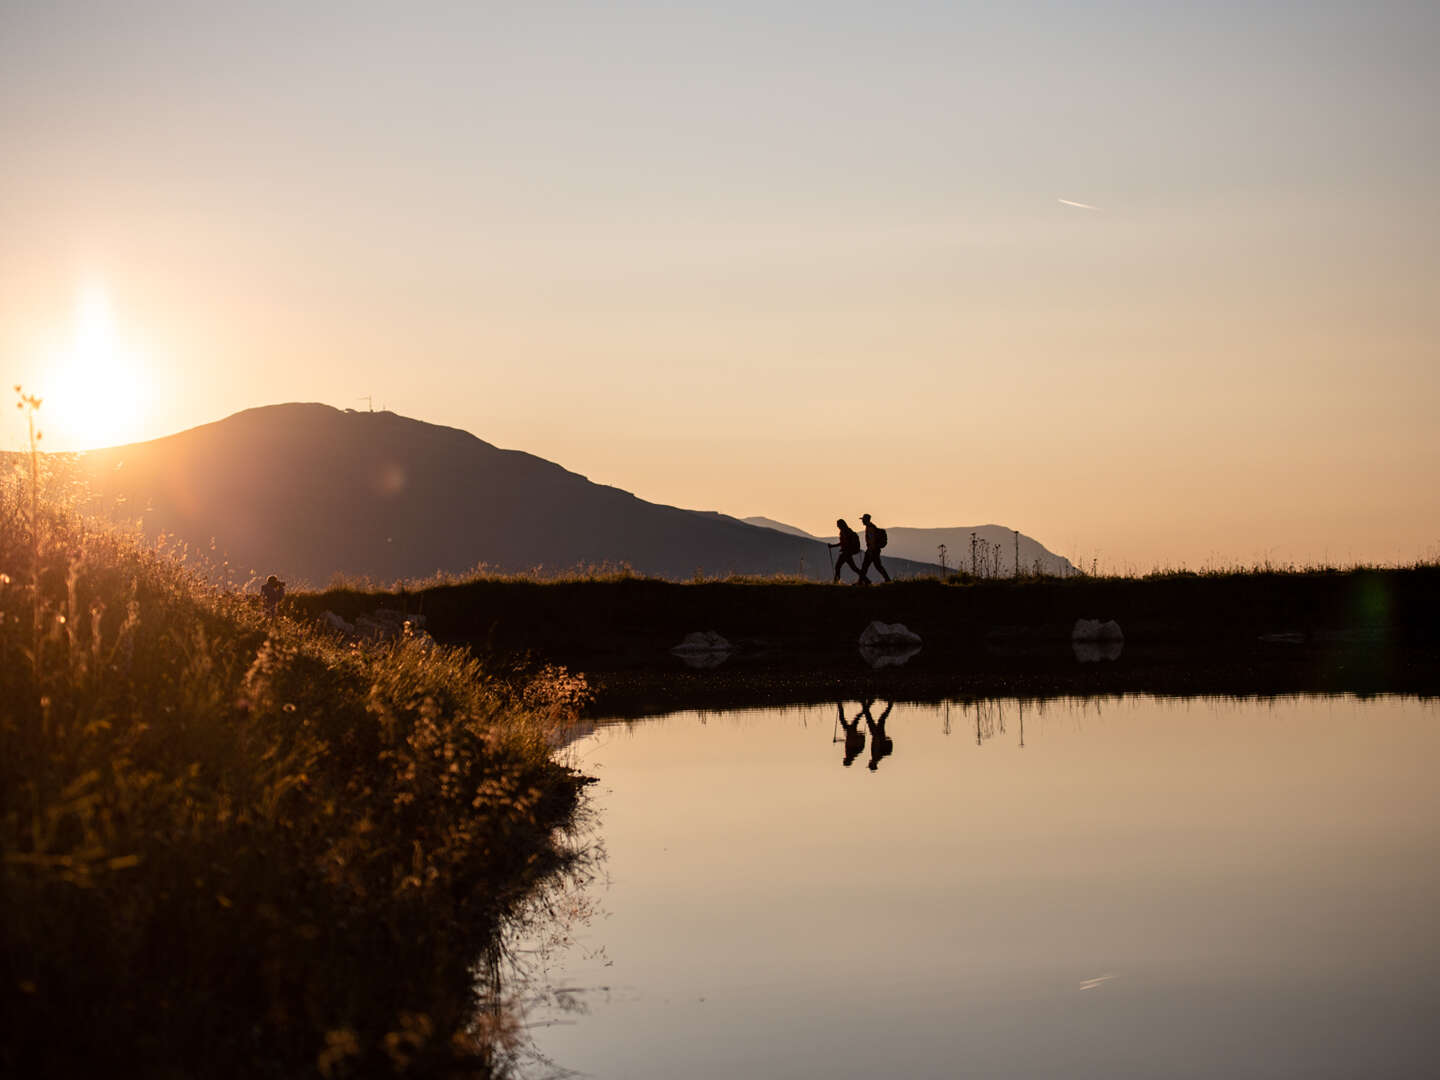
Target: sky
column 1155, row 283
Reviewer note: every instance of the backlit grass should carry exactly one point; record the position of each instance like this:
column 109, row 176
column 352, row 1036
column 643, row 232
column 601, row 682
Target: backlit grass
column 239, row 846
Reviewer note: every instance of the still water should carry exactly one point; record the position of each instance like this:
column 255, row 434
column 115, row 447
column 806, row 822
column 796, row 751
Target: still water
column 1131, row 887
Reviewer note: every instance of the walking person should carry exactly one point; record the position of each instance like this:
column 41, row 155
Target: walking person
column 849, row 546
column 272, row 592
column 854, row 737
column 875, row 539
column 881, row 745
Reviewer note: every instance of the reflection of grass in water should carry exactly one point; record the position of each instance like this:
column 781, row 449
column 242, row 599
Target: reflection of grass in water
column 520, row 988
column 238, row 846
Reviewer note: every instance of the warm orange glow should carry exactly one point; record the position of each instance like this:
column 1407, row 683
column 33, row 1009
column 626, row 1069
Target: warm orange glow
column 97, row 394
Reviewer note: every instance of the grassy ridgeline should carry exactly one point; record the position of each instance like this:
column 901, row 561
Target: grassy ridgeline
column 233, row 845
column 1359, row 630
column 616, row 621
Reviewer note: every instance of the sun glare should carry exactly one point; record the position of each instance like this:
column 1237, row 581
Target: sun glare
column 97, row 398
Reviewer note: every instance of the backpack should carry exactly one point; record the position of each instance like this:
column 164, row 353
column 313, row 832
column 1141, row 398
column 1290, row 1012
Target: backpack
column 881, row 536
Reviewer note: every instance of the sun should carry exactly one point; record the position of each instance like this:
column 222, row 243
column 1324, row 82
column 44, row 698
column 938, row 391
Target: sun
column 98, row 395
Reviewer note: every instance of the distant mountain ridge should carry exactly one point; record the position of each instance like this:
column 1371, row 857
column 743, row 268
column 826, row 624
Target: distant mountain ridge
column 780, row 527
column 994, row 550
column 307, row 491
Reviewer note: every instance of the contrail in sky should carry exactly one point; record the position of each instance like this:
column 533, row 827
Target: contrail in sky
column 1081, row 205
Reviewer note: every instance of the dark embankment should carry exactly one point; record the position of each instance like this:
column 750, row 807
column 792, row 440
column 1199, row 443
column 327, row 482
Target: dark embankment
column 1362, row 630
column 233, row 846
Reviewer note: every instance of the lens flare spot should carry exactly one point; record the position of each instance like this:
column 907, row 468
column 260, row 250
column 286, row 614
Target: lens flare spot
column 390, row 480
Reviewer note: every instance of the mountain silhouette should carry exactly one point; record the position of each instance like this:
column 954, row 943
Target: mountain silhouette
column 994, row 548
column 779, row 526
column 307, row 491
column 994, row 543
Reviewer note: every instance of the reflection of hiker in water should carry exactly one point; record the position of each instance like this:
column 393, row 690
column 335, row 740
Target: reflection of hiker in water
column 272, row 592
column 849, row 546
column 854, row 737
column 881, row 745
column 875, row 539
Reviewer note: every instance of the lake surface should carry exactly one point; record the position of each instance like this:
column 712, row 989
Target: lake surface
column 1131, row 887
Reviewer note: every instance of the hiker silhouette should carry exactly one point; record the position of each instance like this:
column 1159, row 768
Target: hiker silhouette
column 854, row 737
column 875, row 539
column 272, row 592
column 881, row 745
column 849, row 546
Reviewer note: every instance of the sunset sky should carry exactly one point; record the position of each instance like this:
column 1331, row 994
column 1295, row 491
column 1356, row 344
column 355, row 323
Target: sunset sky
column 1156, row 283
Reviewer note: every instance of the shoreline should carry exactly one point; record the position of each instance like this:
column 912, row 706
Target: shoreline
column 1166, row 672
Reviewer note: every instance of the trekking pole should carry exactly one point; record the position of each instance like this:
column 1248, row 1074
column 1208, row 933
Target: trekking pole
column 831, row 554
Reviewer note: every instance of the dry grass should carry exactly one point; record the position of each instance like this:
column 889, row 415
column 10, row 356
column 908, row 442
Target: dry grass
column 237, row 845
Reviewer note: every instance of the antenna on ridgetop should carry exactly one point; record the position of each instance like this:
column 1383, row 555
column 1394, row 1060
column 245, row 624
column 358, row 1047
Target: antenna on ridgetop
column 369, row 401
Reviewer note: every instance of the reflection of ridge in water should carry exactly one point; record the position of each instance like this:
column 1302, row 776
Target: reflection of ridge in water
column 989, row 717
column 989, row 720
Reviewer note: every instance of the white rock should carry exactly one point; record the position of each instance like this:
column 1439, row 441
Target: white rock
column 380, row 625
column 1092, row 652
column 879, row 635
column 702, row 641
column 1284, row 637
column 888, row 656
column 398, row 618
column 703, row 661
column 335, row 622
column 1095, row 630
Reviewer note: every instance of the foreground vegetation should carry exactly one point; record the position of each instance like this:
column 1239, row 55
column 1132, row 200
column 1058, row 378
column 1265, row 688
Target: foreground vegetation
column 234, row 845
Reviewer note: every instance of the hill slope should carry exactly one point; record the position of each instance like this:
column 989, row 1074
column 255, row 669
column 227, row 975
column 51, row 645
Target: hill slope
column 779, row 526
column 307, row 491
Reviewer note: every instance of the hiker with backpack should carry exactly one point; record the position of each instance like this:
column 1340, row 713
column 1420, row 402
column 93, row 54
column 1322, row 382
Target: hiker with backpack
column 849, row 546
column 854, row 737
column 272, row 592
column 881, row 745
column 875, row 539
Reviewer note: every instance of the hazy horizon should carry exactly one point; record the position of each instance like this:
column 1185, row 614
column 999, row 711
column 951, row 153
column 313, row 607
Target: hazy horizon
column 1150, row 283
